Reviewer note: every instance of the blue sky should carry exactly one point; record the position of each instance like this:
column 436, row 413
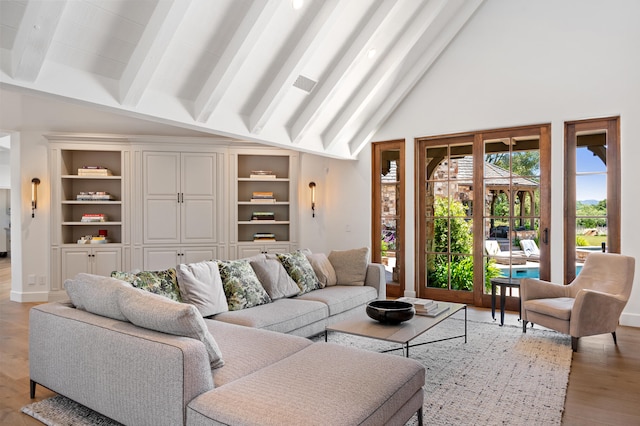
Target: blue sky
column 590, row 186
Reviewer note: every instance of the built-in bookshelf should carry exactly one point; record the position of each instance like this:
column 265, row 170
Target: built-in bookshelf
column 265, row 198
column 91, row 191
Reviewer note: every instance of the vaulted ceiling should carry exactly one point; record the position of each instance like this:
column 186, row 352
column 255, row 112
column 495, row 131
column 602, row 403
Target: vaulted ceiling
column 321, row 78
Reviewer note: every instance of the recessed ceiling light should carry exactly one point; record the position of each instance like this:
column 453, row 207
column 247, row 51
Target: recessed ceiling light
column 371, row 53
column 297, row 4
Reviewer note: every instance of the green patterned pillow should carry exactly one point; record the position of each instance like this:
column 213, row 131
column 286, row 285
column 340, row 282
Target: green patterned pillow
column 164, row 283
column 300, row 270
column 241, row 285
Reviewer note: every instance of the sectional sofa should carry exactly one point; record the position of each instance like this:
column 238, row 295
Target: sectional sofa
column 141, row 358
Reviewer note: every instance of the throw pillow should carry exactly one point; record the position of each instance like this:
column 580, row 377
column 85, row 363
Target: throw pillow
column 323, row 269
column 299, row 268
column 200, row 285
column 158, row 313
column 274, row 278
column 164, row 283
column 96, row 294
column 241, row 285
column 350, row 265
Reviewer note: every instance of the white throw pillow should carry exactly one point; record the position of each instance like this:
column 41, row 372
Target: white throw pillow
column 200, row 285
column 96, row 294
column 350, row 265
column 158, row 313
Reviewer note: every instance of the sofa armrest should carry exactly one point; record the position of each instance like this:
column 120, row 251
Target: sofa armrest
column 376, row 278
column 128, row 373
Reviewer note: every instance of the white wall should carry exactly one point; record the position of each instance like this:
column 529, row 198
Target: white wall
column 521, row 62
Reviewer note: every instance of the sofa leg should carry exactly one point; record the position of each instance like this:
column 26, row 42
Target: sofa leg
column 524, row 326
column 32, row 389
column 420, row 416
column 615, row 339
column 574, row 343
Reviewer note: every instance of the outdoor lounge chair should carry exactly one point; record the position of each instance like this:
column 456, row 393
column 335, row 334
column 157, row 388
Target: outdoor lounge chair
column 590, row 305
column 531, row 250
column 492, row 248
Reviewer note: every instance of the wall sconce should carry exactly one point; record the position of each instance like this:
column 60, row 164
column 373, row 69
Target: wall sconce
column 34, row 195
column 312, row 185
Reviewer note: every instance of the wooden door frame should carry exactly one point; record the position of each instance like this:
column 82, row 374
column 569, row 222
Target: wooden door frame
column 477, row 138
column 611, row 125
column 393, row 290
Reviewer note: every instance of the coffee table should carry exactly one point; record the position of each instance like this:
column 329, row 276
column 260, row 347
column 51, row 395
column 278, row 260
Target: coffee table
column 361, row 325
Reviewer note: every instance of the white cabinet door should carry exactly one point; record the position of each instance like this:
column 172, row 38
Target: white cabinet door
column 161, row 192
column 91, row 260
column 161, row 258
column 198, row 199
column 250, row 250
column 179, row 197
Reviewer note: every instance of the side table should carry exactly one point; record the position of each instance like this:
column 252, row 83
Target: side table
column 503, row 283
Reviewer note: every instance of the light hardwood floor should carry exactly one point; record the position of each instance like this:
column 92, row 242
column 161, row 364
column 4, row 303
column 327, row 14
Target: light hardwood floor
column 604, row 384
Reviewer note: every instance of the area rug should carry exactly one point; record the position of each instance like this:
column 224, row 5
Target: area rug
column 500, row 376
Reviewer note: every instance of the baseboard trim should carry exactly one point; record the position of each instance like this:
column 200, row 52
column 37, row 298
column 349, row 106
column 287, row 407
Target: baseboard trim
column 630, row 320
column 29, row 297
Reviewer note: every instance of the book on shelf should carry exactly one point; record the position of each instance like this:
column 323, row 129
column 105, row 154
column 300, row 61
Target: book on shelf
column 262, row 194
column 264, row 177
column 264, row 236
column 94, row 196
column 263, row 200
column 93, row 217
column 94, row 171
column 263, row 216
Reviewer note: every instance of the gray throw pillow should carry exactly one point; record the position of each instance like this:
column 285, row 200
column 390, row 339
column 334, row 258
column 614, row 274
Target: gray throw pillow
column 96, row 294
column 274, row 278
column 350, row 265
column 200, row 285
column 323, row 269
column 158, row 313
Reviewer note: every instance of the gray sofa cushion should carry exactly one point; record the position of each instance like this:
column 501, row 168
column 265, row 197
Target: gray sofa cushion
column 158, row 313
column 342, row 298
column 247, row 349
column 282, row 315
column 96, row 294
column 274, row 278
column 200, row 285
column 350, row 265
column 323, row 384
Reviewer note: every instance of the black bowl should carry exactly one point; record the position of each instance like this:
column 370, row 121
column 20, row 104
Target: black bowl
column 390, row 311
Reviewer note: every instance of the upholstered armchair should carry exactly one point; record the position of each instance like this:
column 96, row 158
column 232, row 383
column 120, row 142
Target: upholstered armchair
column 590, row 305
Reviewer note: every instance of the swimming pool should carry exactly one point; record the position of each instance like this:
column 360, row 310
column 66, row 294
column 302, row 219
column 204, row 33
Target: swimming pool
column 527, row 272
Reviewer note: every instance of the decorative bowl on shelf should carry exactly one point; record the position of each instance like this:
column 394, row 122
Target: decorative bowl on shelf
column 390, row 311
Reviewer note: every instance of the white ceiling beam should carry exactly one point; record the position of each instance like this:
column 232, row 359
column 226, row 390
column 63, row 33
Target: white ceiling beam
column 356, row 48
column 244, row 39
column 157, row 35
column 431, row 46
column 382, row 73
column 34, row 37
column 317, row 29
